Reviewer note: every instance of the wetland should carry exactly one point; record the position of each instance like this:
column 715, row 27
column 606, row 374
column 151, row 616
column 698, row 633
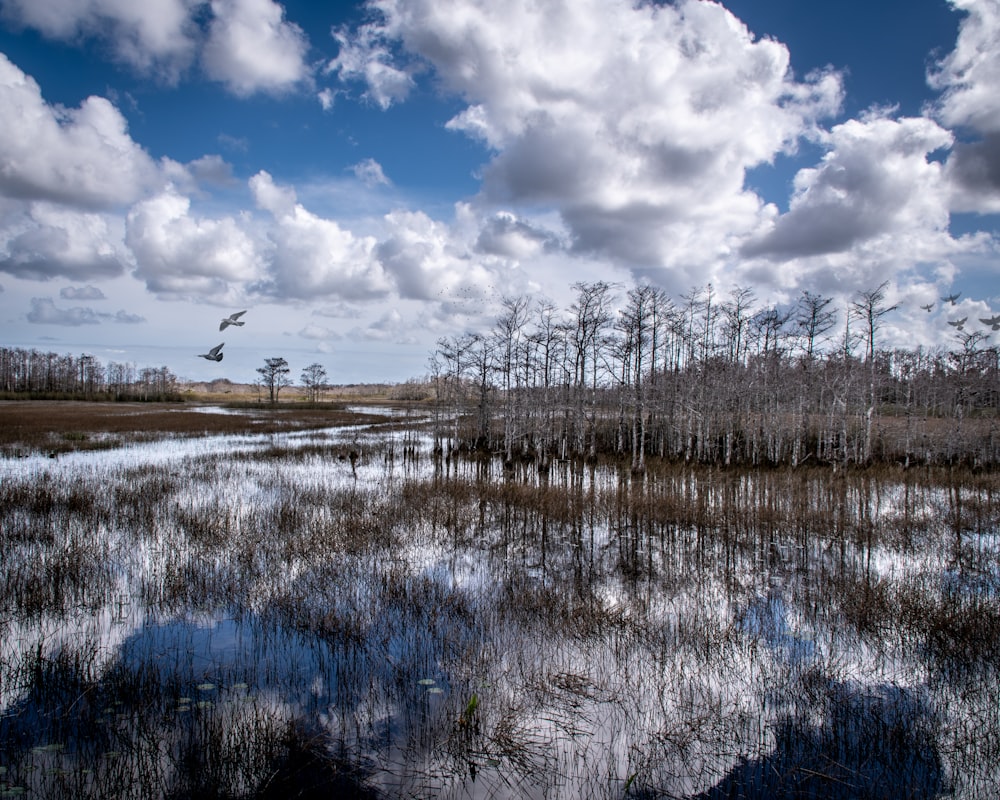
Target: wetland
column 263, row 603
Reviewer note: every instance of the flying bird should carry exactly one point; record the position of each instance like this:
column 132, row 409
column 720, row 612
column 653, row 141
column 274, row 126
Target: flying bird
column 958, row 323
column 993, row 322
column 232, row 319
column 928, row 307
column 215, row 354
column 951, row 298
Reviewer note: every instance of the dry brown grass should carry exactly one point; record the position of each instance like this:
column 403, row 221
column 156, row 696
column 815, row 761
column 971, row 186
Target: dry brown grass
column 61, row 426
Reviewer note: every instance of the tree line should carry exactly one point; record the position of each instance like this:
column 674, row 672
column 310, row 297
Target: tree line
column 34, row 373
column 710, row 378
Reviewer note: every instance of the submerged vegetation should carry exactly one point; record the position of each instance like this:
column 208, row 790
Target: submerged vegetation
column 355, row 612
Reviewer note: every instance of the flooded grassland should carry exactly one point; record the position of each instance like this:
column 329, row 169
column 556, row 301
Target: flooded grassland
column 306, row 612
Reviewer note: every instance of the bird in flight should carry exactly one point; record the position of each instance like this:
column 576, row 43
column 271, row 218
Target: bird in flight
column 951, row 298
column 993, row 322
column 958, row 323
column 215, row 354
column 232, row 319
column 928, row 307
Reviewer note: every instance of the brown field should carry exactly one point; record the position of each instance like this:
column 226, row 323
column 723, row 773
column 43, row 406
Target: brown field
column 61, row 426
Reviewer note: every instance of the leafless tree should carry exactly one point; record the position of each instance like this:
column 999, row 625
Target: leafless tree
column 814, row 319
column 314, row 380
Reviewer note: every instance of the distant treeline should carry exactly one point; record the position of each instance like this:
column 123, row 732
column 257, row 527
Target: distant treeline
column 716, row 380
column 38, row 375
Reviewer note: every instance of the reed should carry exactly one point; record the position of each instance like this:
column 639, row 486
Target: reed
column 276, row 619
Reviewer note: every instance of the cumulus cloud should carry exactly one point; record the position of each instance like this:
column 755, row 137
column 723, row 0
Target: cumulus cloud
column 44, row 312
column 390, row 327
column 968, row 77
column 428, row 259
column 181, row 254
column 637, row 122
column 311, row 257
column 366, row 55
column 504, row 234
column 970, row 73
column 81, row 293
column 152, row 36
column 279, row 200
column 126, row 318
column 319, row 333
column 82, row 156
column 876, row 179
column 247, row 44
column 251, row 47
column 44, row 241
column 370, row 173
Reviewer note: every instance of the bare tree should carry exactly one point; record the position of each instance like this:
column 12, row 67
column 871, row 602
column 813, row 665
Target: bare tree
column 736, row 313
column 314, row 379
column 274, row 375
column 870, row 308
column 813, row 319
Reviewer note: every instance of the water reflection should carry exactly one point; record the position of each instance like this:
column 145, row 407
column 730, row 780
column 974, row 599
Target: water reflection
column 245, row 616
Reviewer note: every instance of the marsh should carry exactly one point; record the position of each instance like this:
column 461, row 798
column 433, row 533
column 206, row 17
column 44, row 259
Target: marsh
column 249, row 613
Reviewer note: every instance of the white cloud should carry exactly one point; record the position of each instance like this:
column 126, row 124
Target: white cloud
column 312, row 257
column 279, row 200
column 430, row 260
column 81, row 156
column 876, row 180
column 180, row 254
column 326, row 98
column 390, row 327
column 366, row 56
column 370, row 173
column 81, row 293
column 44, row 312
column 152, row 35
column 248, row 45
column 252, row 48
column 969, row 76
column 319, row 333
column 44, row 240
column 636, row 122
column 970, row 73
column 504, row 234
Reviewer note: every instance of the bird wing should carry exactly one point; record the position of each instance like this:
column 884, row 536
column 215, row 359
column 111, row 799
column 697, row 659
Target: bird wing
column 224, row 324
column 215, row 350
column 237, row 315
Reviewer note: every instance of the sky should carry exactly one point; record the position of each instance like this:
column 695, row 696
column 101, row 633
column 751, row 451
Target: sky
column 366, row 178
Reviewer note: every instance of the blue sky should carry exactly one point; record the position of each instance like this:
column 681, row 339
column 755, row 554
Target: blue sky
column 367, row 178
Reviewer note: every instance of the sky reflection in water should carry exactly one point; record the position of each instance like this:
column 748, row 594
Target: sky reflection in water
column 608, row 655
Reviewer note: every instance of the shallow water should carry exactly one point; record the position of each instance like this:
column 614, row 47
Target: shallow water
column 248, row 615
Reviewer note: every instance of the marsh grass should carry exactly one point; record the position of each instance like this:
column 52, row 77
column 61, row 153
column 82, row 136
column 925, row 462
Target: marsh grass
column 59, row 427
column 287, row 618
